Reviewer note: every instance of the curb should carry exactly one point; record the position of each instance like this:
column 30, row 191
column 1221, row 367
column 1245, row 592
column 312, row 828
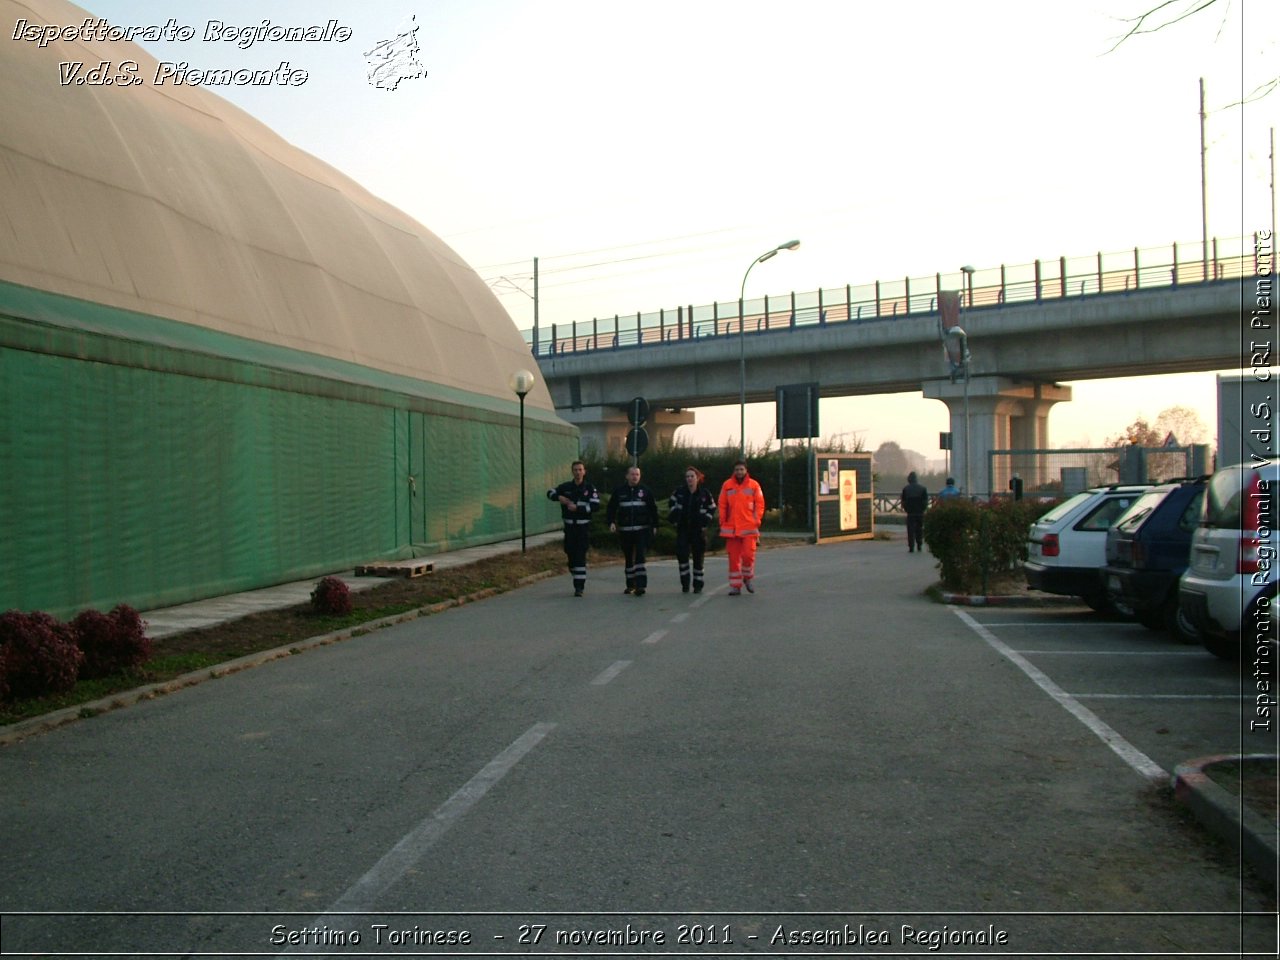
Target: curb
column 1225, row 814
column 1003, row 600
column 126, row 698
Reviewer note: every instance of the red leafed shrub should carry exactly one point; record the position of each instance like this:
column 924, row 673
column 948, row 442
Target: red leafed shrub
column 111, row 642
column 40, row 655
column 331, row 597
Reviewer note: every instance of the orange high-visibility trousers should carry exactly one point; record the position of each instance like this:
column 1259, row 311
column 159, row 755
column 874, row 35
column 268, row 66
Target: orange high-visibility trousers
column 742, row 559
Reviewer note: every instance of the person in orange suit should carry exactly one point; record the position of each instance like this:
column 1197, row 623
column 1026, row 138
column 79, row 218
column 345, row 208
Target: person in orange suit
column 741, row 505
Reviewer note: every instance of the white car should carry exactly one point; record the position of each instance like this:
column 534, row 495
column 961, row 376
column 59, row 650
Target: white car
column 1067, row 547
column 1230, row 585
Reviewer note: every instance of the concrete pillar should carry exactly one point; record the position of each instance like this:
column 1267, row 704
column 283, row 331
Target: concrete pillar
column 604, row 428
column 1004, row 414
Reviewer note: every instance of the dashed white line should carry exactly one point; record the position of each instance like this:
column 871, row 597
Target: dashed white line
column 655, row 636
column 1127, row 752
column 410, row 850
column 610, row 672
column 680, row 618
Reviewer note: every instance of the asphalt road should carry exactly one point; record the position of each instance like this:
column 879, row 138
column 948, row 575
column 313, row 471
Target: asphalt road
column 834, row 758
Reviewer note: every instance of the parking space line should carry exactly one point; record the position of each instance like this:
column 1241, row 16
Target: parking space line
column 610, row 672
column 1000, row 624
column 1126, row 751
column 1159, row 696
column 1113, row 653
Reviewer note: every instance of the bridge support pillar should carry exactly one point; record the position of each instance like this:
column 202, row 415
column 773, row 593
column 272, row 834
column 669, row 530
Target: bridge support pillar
column 604, row 428
column 1004, row 414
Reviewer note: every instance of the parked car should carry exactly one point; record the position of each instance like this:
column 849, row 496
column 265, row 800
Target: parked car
column 1067, row 547
column 1230, row 584
column 1147, row 551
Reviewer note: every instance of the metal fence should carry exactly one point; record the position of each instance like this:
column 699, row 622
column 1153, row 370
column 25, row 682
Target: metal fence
column 1092, row 275
column 1063, row 473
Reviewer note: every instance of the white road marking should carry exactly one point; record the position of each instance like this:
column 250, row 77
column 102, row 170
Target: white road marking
column 611, row 672
column 1127, row 752
column 680, row 618
column 1114, row 653
column 1159, row 696
column 655, row 636
column 409, row 851
column 1049, row 623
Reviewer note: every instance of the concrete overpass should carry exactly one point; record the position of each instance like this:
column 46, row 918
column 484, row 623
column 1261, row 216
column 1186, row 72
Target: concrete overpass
column 1021, row 350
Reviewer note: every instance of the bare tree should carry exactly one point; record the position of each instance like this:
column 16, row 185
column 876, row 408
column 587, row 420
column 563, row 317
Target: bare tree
column 1169, row 12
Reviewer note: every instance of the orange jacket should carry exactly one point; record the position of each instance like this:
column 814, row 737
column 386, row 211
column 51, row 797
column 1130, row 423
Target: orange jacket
column 741, row 508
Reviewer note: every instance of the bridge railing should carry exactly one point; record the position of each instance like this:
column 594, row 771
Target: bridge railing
column 1093, row 275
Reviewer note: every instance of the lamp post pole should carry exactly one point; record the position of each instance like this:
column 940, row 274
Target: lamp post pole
column 742, row 343
column 521, row 384
column 964, row 355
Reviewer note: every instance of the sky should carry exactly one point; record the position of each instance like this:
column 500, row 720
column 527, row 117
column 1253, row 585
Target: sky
column 647, row 153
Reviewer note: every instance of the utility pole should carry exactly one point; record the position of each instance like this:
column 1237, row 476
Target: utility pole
column 535, row 306
column 1204, row 196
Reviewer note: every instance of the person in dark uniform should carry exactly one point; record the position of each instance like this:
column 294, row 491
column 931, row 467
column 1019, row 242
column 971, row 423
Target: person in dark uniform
column 690, row 509
column 633, row 515
column 915, row 500
column 578, row 500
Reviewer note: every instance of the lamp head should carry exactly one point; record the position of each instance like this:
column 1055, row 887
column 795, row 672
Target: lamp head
column 521, row 382
column 789, row 245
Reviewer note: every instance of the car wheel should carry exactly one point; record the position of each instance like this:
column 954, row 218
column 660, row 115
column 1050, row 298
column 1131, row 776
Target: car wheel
column 1178, row 624
column 1120, row 608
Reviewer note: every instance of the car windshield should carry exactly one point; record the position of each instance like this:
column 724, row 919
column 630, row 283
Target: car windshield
column 1133, row 518
column 1104, row 514
column 1062, row 509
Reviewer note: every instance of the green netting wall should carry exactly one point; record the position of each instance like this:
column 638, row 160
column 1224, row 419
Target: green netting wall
column 153, row 474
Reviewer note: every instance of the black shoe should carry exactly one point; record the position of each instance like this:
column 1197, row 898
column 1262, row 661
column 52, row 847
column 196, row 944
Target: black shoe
column 577, row 593
column 750, row 588
column 639, row 591
column 697, row 588
column 629, row 590
column 684, row 588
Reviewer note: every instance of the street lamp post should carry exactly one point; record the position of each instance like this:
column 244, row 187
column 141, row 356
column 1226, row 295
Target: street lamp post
column 742, row 343
column 964, row 356
column 521, row 383
column 961, row 340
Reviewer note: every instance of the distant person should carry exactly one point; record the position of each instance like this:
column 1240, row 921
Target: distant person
column 741, row 506
column 578, row 500
column 950, row 490
column 633, row 516
column 690, row 509
column 915, row 500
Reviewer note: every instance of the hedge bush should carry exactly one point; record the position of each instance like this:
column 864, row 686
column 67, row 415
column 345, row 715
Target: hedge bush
column 977, row 541
column 39, row 655
column 112, row 642
column 331, row 598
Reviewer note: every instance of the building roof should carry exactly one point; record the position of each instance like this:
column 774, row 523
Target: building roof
column 169, row 201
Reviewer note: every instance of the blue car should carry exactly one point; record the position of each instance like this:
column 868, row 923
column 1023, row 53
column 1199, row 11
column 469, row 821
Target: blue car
column 1148, row 548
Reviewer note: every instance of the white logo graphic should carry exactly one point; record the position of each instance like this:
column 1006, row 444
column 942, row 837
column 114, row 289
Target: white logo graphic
column 397, row 59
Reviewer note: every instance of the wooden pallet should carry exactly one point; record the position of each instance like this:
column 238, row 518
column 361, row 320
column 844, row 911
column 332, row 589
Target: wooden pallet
column 396, row 568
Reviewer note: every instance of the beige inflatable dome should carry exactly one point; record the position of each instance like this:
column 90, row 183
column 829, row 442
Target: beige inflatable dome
column 230, row 228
